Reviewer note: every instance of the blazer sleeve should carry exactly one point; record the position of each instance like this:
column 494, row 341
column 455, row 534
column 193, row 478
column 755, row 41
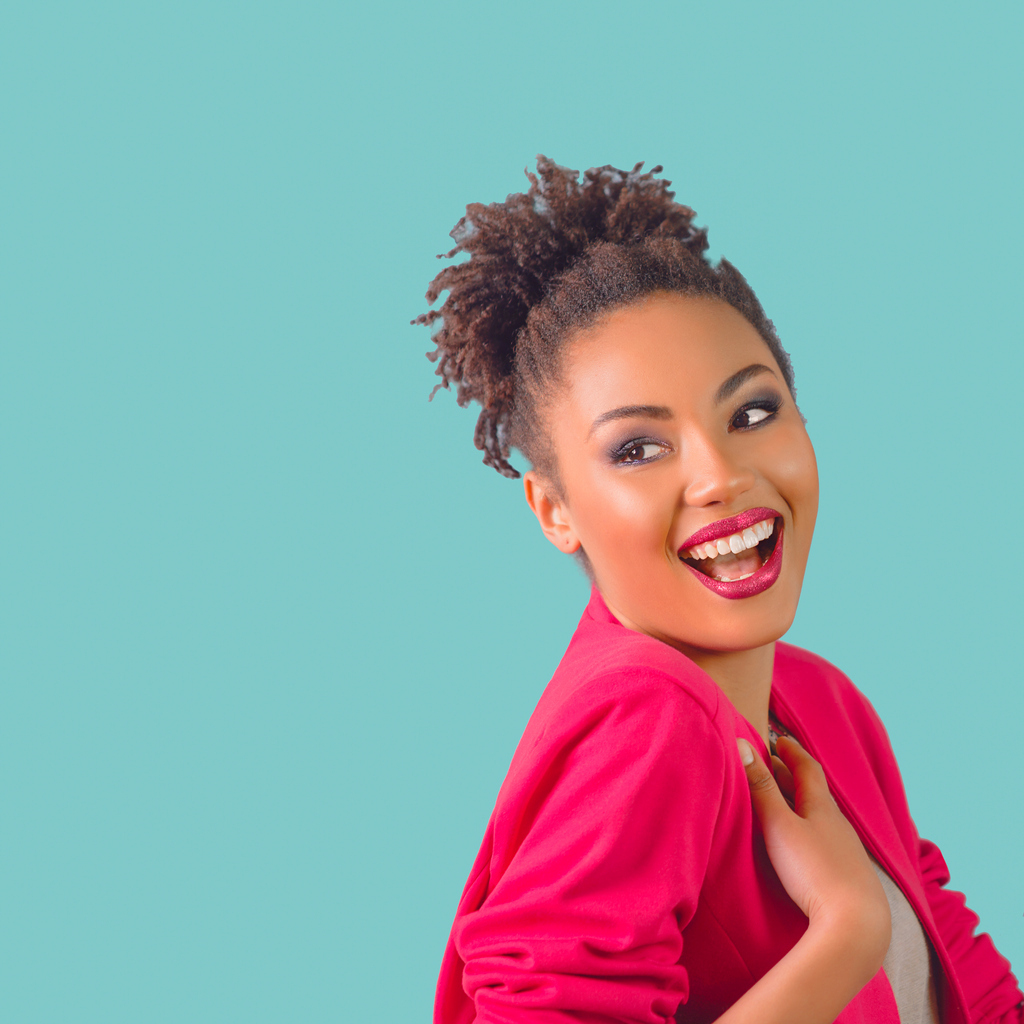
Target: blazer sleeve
column 601, row 841
column 984, row 974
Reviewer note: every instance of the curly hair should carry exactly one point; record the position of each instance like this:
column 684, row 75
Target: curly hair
column 549, row 263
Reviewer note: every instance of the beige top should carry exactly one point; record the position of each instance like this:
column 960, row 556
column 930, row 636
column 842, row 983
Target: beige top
column 908, row 962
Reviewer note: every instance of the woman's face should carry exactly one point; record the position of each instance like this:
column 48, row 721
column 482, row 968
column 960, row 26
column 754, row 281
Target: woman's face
column 674, row 431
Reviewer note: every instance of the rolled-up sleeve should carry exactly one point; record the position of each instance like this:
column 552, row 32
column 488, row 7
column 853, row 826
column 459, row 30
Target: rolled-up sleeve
column 601, row 843
column 984, row 973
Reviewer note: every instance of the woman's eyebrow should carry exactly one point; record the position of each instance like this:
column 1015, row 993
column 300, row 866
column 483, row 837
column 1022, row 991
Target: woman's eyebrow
column 655, row 412
column 739, row 378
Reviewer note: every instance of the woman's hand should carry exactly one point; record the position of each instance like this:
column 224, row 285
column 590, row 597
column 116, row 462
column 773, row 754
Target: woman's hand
column 825, row 869
column 818, row 857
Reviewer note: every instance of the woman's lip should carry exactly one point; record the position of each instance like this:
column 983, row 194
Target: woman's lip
column 725, row 527
column 755, row 584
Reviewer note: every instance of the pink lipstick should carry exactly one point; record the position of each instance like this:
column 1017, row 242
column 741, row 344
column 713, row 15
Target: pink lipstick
column 724, row 527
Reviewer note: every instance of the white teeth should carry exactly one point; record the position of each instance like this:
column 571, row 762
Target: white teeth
column 734, row 543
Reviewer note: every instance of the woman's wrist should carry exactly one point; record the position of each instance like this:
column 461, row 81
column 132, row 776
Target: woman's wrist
column 863, row 925
column 835, row 958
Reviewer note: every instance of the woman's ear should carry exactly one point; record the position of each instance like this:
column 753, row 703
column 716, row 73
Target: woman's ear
column 551, row 512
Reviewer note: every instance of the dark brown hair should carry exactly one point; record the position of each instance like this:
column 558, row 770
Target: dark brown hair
column 548, row 263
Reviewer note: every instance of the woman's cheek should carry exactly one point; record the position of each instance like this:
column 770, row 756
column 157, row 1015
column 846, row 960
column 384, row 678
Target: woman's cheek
column 798, row 474
column 627, row 521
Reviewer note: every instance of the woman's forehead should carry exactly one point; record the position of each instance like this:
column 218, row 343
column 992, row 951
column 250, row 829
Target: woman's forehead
column 670, row 347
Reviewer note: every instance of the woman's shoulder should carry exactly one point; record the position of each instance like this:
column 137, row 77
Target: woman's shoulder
column 621, row 708
column 607, row 663
column 613, row 686
column 813, row 692
column 801, row 676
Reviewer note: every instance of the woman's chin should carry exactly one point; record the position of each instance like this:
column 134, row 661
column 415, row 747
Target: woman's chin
column 726, row 626
column 725, row 641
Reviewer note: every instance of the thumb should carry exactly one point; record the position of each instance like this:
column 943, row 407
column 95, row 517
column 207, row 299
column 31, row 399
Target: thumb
column 765, row 794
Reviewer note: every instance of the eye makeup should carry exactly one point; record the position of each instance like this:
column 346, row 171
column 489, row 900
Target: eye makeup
column 769, row 401
column 619, row 452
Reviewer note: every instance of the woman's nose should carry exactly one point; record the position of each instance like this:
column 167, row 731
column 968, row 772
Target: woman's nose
column 713, row 476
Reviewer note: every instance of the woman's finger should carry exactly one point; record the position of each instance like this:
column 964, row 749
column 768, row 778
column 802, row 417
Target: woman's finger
column 784, row 779
column 764, row 792
column 810, row 787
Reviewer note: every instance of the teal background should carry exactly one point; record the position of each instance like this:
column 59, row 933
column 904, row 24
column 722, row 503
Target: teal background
column 270, row 632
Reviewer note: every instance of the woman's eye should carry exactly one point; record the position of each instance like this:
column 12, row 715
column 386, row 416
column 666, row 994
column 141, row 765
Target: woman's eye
column 750, row 417
column 641, row 452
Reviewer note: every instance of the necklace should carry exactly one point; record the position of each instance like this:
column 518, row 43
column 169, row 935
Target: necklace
column 774, row 732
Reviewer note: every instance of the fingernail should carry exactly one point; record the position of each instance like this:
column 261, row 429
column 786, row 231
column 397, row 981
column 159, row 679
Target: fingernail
column 746, row 752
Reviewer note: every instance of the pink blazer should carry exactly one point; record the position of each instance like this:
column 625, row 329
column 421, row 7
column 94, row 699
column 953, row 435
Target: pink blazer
column 623, row 876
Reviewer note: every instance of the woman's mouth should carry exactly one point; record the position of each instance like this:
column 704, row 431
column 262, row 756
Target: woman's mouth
column 739, row 564
column 737, row 556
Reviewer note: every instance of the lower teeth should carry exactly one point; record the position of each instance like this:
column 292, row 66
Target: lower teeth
column 726, row 579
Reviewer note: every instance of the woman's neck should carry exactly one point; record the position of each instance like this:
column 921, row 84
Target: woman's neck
column 745, row 677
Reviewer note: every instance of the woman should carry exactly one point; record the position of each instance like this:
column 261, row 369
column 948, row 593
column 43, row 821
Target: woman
column 647, row 856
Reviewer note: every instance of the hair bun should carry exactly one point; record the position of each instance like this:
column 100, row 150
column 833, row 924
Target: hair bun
column 603, row 240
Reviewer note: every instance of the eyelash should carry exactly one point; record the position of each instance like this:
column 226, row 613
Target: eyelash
column 769, row 403
column 620, row 453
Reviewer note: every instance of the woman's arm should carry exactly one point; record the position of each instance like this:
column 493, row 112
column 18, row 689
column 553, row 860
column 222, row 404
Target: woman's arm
column 593, row 862
column 990, row 991
column 989, row 986
column 823, row 866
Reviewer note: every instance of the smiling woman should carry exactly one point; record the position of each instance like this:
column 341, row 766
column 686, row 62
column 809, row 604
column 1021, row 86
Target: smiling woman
column 707, row 427
column 701, row 822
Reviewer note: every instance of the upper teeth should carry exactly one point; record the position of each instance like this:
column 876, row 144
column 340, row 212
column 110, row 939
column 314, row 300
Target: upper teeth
column 735, row 542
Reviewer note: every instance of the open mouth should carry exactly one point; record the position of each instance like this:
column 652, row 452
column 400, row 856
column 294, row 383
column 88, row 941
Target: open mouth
column 737, row 556
column 740, row 564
